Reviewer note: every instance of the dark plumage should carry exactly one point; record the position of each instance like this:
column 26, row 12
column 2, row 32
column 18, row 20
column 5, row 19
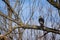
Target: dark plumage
column 41, row 21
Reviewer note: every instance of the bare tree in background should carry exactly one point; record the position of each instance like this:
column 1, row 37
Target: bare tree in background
column 21, row 21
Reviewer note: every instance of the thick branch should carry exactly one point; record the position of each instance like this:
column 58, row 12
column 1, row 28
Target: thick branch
column 11, row 19
column 55, row 4
column 10, row 8
column 37, row 28
column 29, row 26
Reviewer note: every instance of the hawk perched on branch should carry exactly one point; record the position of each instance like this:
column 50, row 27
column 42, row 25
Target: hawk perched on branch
column 41, row 21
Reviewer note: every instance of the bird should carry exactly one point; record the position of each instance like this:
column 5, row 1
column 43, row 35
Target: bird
column 41, row 21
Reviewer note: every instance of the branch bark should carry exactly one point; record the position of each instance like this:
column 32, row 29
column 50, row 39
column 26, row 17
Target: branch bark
column 11, row 9
column 55, row 4
column 11, row 19
column 29, row 26
column 35, row 27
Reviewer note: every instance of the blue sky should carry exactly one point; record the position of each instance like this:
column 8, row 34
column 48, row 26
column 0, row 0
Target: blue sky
column 26, row 12
column 43, row 4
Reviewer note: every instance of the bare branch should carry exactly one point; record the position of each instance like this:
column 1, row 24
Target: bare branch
column 36, row 27
column 43, row 35
column 11, row 19
column 29, row 26
column 55, row 4
column 10, row 8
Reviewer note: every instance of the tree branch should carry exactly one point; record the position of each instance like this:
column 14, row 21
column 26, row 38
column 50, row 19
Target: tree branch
column 11, row 19
column 35, row 27
column 55, row 4
column 29, row 26
column 43, row 35
column 10, row 8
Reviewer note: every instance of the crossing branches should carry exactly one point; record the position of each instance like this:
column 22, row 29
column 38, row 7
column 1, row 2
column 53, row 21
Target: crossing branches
column 28, row 26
